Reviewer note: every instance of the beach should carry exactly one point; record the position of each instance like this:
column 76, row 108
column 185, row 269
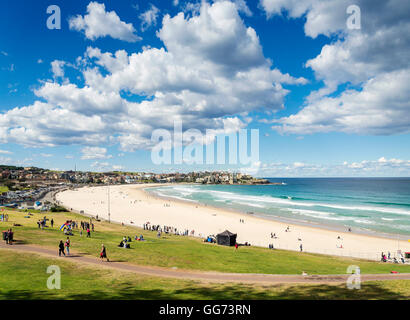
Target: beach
column 132, row 205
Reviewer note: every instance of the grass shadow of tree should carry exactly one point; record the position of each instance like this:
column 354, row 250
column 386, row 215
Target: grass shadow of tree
column 225, row 292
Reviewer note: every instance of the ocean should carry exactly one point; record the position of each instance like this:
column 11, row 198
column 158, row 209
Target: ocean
column 369, row 205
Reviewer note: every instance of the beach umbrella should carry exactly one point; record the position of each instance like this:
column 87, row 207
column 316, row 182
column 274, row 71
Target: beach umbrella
column 62, row 227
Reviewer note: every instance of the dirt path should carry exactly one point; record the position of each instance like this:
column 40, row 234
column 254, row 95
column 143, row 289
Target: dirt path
column 201, row 276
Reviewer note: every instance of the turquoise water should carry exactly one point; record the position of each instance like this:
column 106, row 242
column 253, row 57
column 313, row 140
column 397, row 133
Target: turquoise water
column 380, row 205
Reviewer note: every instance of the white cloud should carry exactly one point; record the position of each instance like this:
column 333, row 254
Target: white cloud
column 40, row 61
column 57, row 67
column 6, row 161
column 373, row 60
column 365, row 168
column 105, row 166
column 210, row 74
column 149, row 17
column 243, row 7
column 380, row 108
column 5, row 152
column 99, row 23
column 94, row 153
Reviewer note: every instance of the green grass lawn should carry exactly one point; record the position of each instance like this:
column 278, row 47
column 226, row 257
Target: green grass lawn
column 23, row 276
column 3, row 189
column 184, row 252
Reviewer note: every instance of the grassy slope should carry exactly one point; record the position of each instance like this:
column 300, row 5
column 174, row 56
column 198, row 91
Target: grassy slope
column 25, row 277
column 184, row 252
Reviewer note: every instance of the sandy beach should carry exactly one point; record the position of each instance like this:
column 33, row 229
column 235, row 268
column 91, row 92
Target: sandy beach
column 131, row 205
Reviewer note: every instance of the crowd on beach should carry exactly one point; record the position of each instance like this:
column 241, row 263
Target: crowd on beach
column 167, row 230
column 389, row 258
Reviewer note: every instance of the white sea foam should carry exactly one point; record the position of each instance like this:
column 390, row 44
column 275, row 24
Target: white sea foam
column 290, row 203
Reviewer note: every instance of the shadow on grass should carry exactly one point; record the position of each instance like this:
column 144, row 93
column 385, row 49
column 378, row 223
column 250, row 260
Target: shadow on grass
column 18, row 242
column 238, row 292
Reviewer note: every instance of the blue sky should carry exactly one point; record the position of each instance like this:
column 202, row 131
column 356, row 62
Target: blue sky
column 328, row 100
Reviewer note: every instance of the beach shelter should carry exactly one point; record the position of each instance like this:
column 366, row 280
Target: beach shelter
column 226, row 238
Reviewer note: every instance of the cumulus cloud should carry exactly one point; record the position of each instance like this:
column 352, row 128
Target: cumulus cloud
column 94, row 153
column 210, row 74
column 105, row 166
column 380, row 167
column 99, row 23
column 57, row 68
column 5, row 152
column 380, row 108
column 373, row 60
column 7, row 161
column 149, row 17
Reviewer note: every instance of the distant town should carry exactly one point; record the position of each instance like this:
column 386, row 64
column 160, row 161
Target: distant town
column 30, row 183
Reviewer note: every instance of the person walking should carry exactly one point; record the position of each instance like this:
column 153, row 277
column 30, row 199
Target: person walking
column 236, row 246
column 88, row 233
column 103, row 253
column 301, row 248
column 52, row 222
column 67, row 245
column 61, row 248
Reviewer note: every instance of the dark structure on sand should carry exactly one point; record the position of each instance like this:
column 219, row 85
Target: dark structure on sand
column 226, row 238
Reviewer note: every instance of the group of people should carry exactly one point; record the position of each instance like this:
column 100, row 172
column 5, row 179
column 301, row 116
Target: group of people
column 8, row 236
column 84, row 226
column 274, row 236
column 62, row 246
column 42, row 223
column 87, row 225
column 385, row 258
column 66, row 245
column 125, row 243
column 167, row 230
